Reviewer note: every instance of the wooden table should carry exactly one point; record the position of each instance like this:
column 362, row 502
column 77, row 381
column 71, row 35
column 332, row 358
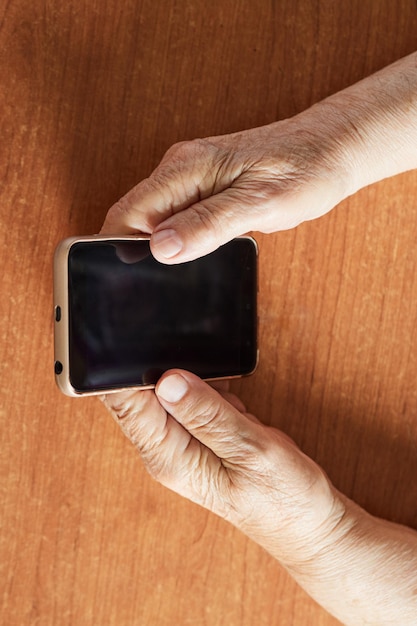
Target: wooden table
column 92, row 94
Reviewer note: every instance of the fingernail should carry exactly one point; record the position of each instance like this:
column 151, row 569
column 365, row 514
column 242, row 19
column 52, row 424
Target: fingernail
column 167, row 243
column 173, row 388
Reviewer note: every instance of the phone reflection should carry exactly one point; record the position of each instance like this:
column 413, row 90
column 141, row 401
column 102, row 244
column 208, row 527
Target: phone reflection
column 130, row 252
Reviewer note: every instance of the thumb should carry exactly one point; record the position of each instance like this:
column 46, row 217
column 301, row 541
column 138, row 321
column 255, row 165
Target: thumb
column 207, row 416
column 188, row 172
column 203, row 227
column 196, row 200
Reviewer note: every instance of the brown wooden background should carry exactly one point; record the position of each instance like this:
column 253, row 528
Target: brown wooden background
column 92, row 93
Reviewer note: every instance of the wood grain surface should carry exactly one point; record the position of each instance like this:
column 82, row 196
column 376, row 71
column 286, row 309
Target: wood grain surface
column 91, row 95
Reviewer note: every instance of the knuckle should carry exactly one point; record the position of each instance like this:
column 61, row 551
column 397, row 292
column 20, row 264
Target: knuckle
column 193, row 149
column 202, row 217
column 128, row 409
column 151, row 450
column 121, row 405
column 175, row 149
column 181, row 152
column 207, row 416
column 118, row 211
column 208, row 484
column 125, row 212
column 254, row 454
column 154, row 465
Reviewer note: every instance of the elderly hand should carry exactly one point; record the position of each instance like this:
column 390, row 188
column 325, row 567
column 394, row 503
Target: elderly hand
column 203, row 444
column 207, row 191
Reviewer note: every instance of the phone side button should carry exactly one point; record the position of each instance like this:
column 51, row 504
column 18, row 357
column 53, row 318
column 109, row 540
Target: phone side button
column 57, row 313
column 58, row 367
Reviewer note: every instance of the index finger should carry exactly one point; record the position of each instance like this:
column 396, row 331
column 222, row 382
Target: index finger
column 218, row 424
column 170, row 453
column 185, row 174
column 141, row 209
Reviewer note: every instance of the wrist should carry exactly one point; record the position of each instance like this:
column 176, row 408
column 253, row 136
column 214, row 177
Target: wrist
column 374, row 125
column 301, row 523
column 364, row 570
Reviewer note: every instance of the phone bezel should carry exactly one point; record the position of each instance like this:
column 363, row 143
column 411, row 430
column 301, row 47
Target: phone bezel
column 61, row 311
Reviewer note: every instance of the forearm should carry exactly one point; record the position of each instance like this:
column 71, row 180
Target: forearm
column 374, row 123
column 366, row 571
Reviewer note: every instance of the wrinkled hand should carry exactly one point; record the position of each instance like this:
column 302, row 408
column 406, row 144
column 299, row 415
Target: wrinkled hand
column 207, row 191
column 202, row 444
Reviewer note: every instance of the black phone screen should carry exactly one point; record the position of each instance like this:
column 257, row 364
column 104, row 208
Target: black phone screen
column 131, row 318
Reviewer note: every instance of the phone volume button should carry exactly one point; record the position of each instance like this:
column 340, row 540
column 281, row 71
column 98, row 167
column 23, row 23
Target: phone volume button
column 58, row 313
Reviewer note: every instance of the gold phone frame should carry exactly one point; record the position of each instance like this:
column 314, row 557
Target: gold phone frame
column 61, row 317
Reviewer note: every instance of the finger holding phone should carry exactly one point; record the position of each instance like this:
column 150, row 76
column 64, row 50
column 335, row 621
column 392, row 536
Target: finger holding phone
column 207, row 191
column 202, row 443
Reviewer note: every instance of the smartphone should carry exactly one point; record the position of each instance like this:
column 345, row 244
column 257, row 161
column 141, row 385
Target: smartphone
column 122, row 318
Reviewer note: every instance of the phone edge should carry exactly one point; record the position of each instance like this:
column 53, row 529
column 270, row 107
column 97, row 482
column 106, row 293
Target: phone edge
column 61, row 326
